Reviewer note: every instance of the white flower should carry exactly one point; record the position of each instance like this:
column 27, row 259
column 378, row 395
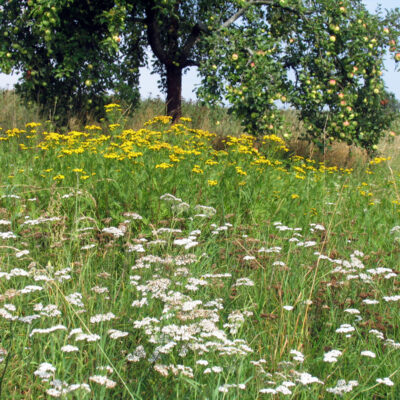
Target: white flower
column 391, row 298
column 40, row 220
column 7, row 235
column 103, row 380
column 137, row 247
column 278, row 263
column 21, row 253
column 342, row 387
column 268, row 391
column 283, row 389
column 87, row 338
column 75, row 299
column 331, row 356
column 28, row 318
column 345, row 328
column 385, row 381
column 317, row 227
column 298, row 356
column 187, row 242
column 392, row 343
column 170, row 197
column 48, row 330
column 369, row 301
column 137, row 354
column 352, row 311
column 116, row 232
column 100, row 290
column 6, row 315
column 244, row 282
column 132, row 215
column 395, row 229
column 116, row 334
column 368, row 353
column 305, row 378
column 69, row 348
column 275, row 249
column 310, row 243
column 216, row 370
column 206, row 210
column 377, row 333
column 45, row 371
column 102, row 317
column 88, row 247
column 288, row 308
column 166, row 230
column 10, row 307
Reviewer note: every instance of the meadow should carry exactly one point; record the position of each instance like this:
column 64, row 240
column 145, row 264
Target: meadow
column 141, row 260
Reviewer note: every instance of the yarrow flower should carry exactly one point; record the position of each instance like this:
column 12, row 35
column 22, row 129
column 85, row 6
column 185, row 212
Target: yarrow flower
column 385, row 381
column 342, row 387
column 103, row 380
column 331, row 356
column 102, row 317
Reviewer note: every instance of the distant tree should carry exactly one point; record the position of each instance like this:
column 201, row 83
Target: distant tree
column 323, row 57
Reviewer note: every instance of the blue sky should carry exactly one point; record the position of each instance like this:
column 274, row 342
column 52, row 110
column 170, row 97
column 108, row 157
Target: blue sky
column 148, row 82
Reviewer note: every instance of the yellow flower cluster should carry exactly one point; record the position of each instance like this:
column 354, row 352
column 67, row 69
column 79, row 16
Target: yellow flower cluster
column 161, row 146
column 378, row 160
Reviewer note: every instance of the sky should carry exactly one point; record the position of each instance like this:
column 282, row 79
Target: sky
column 148, row 81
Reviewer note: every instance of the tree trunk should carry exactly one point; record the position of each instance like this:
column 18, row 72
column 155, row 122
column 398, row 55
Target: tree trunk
column 174, row 92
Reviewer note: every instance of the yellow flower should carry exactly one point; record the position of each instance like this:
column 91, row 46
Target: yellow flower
column 164, row 165
column 174, row 158
column 114, row 126
column 212, row 182
column 211, row 162
column 197, row 169
column 295, row 196
column 92, row 127
column 110, row 107
column 32, row 124
column 77, row 170
column 58, row 177
column 240, row 171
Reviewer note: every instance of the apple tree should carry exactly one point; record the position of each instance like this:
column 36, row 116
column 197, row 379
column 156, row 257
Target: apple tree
column 323, row 58
column 68, row 54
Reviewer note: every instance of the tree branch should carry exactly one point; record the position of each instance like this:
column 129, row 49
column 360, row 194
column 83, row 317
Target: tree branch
column 190, row 63
column 272, row 3
column 197, row 30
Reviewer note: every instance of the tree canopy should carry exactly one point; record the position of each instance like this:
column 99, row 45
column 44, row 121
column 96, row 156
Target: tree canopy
column 321, row 57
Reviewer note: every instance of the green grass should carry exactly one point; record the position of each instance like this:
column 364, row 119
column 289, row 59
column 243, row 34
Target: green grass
column 277, row 231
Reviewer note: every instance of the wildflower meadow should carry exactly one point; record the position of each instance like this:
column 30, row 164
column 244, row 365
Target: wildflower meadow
column 167, row 263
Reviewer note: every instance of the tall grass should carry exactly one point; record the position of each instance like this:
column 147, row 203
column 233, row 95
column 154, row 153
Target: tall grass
column 144, row 261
